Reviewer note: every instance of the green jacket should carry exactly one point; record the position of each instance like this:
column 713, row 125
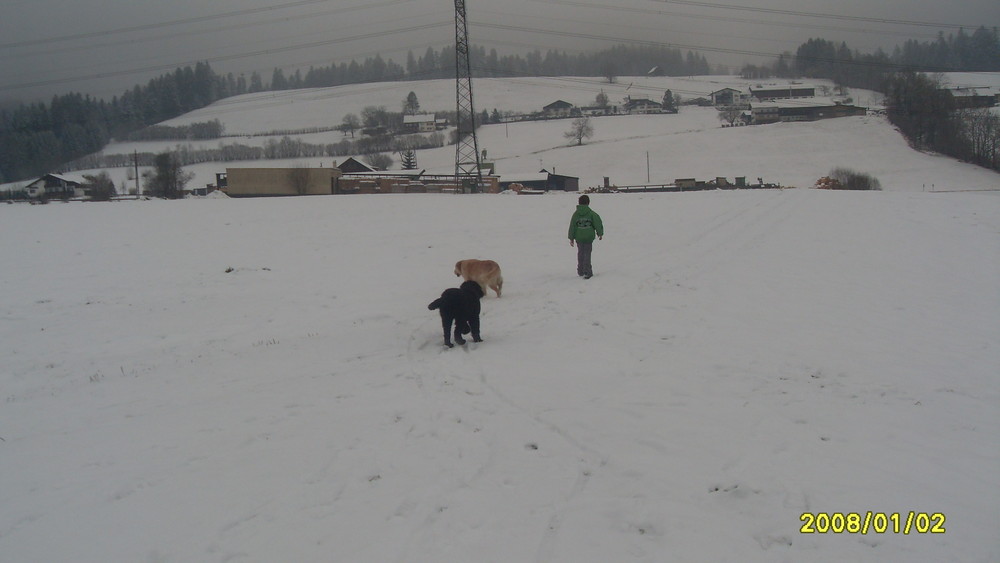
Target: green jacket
column 585, row 225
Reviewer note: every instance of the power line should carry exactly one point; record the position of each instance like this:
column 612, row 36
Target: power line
column 189, row 33
column 159, row 25
column 170, row 66
column 814, row 14
column 647, row 11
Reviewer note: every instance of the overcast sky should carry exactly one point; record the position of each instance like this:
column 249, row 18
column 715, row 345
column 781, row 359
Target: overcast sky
column 103, row 47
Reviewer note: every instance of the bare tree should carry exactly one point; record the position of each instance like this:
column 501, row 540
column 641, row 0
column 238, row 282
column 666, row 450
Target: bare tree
column 730, row 114
column 299, row 177
column 579, row 130
column 981, row 127
column 350, row 123
column 379, row 161
column 602, row 100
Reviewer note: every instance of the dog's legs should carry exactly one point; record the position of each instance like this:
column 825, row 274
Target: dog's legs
column 474, row 327
column 446, row 325
column 459, row 325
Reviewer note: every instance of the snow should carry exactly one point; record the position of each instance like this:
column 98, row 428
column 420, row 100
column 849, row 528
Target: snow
column 260, row 379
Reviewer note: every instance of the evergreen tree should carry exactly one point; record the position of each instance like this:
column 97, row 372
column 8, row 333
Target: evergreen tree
column 168, row 177
column 411, row 106
column 409, row 159
column 669, row 103
column 101, row 187
column 256, row 83
column 278, row 80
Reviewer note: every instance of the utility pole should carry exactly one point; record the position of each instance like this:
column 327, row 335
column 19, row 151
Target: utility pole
column 467, row 165
column 135, row 162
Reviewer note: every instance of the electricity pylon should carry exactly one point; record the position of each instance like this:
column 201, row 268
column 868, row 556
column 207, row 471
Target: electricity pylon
column 467, row 165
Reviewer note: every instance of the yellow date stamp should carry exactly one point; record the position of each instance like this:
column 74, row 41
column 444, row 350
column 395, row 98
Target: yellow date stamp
column 872, row 523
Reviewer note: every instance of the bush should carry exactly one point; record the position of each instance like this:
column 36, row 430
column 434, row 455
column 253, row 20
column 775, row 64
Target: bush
column 847, row 179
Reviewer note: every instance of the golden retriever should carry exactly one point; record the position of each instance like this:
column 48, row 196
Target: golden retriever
column 484, row 272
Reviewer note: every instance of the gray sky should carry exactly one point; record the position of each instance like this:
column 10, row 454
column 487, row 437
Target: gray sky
column 103, row 47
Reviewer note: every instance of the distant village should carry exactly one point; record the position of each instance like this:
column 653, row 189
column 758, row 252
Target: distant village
column 757, row 106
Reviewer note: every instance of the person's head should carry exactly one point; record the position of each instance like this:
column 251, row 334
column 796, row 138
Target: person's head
column 584, row 200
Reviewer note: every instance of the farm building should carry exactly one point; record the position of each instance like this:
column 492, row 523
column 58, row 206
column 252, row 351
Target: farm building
column 267, row 182
column 773, row 112
column 544, row 181
column 971, row 97
column 354, row 166
column 405, row 182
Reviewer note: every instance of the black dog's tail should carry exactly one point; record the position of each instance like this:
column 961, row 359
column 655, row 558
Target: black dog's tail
column 434, row 304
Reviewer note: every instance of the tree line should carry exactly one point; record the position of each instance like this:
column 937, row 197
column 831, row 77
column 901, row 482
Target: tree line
column 820, row 58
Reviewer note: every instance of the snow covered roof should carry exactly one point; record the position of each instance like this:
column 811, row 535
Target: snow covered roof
column 524, row 177
column 70, row 178
column 426, row 118
column 816, row 101
column 971, row 91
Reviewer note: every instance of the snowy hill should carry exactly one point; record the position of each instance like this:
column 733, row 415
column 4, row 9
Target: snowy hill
column 260, row 379
column 628, row 150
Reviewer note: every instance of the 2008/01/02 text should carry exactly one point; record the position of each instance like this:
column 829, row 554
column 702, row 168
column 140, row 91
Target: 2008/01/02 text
column 872, row 522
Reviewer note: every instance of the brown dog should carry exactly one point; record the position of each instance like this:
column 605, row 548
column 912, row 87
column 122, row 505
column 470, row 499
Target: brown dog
column 484, row 272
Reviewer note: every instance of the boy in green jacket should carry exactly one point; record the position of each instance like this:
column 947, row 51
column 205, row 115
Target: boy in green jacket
column 583, row 227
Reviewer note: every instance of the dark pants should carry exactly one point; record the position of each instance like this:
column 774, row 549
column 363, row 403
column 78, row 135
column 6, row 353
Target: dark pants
column 583, row 265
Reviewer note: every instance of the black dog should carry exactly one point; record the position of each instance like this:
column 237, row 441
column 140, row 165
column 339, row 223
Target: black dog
column 461, row 306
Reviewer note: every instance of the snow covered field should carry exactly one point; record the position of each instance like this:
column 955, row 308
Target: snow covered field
column 260, row 380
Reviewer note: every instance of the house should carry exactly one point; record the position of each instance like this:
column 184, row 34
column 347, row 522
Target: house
column 729, row 97
column 419, row 123
column 639, row 106
column 772, row 112
column 558, row 108
column 269, row 182
column 784, row 93
column 966, row 97
column 57, row 186
column 354, row 166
